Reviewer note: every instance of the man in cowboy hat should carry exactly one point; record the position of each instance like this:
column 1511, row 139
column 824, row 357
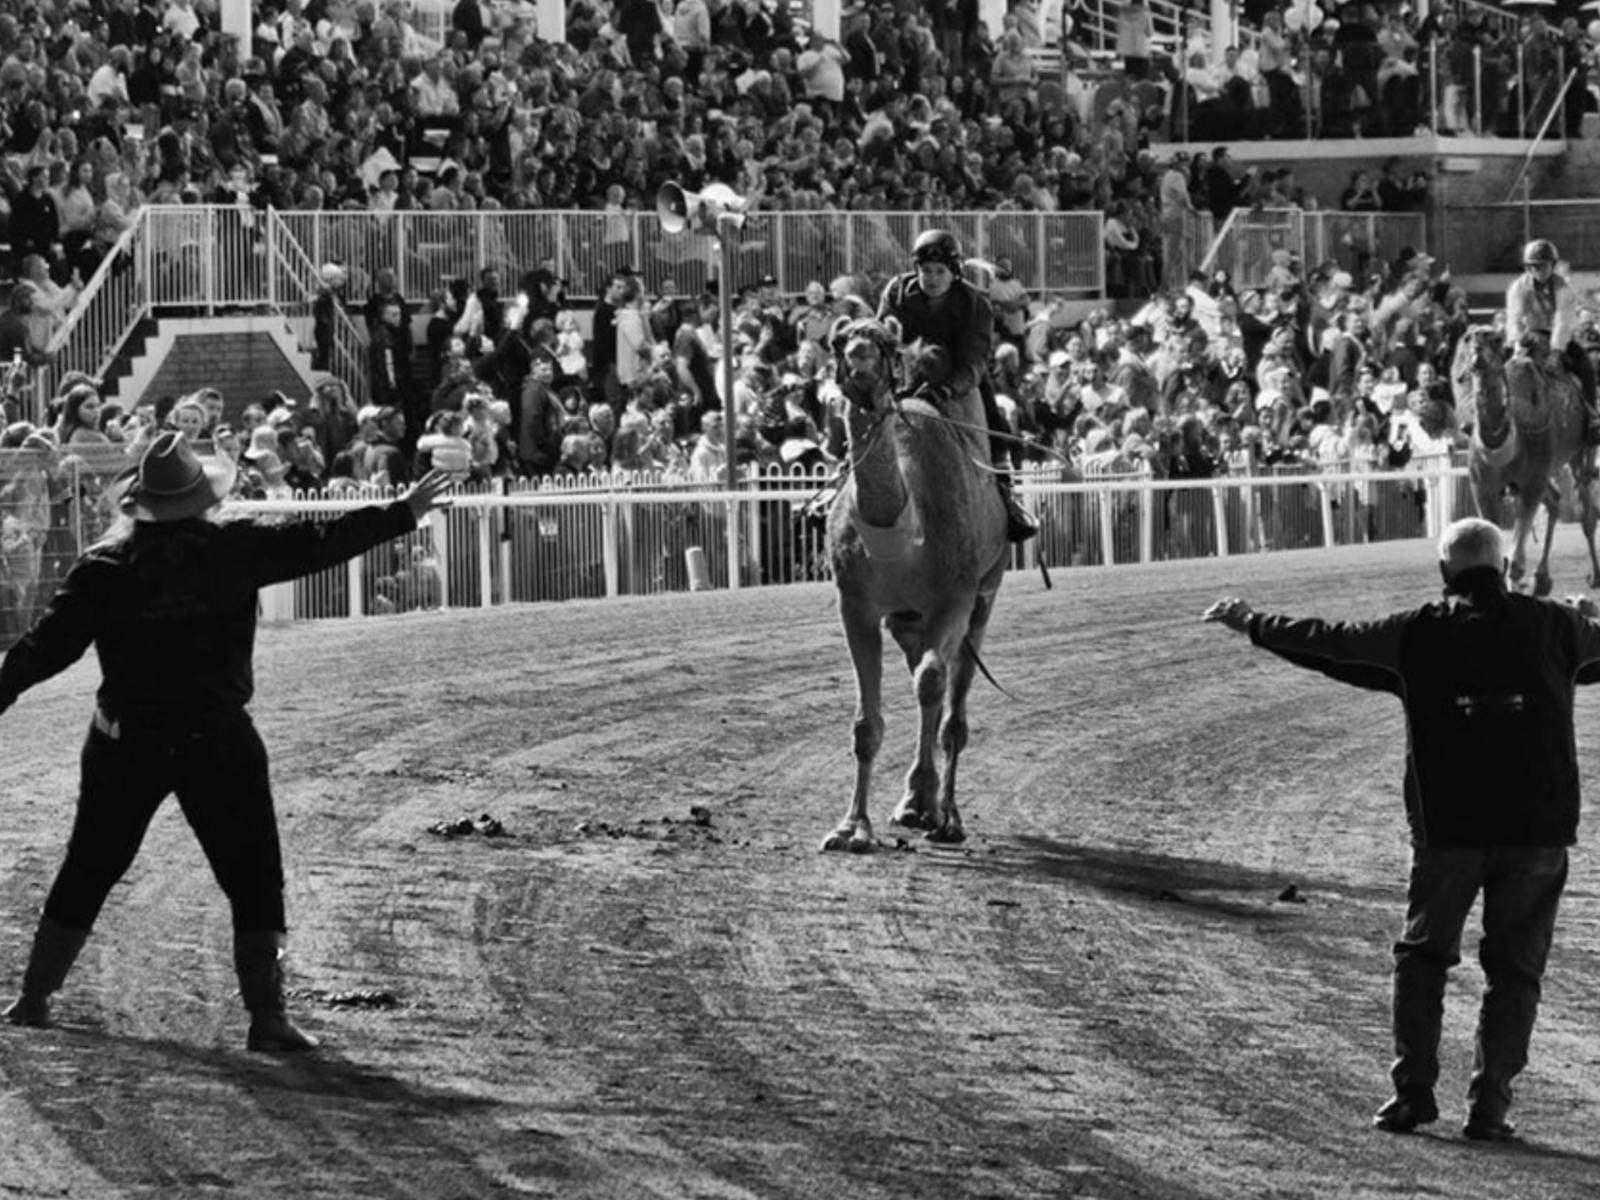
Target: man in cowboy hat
column 168, row 600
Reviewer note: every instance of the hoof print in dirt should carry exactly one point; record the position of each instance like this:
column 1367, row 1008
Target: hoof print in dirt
column 1291, row 895
column 694, row 831
column 372, row 998
column 483, row 825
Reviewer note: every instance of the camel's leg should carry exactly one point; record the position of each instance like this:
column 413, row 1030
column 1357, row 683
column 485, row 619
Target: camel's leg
column 865, row 640
column 953, row 733
column 1583, row 478
column 1519, row 546
column 1552, row 506
column 918, row 808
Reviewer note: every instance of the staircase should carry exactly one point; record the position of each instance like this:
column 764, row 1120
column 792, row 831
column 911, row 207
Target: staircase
column 195, row 263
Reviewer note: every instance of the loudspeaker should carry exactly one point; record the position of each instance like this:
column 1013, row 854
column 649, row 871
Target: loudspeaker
column 702, row 212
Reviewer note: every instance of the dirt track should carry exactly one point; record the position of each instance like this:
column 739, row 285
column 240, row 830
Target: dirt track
column 1101, row 994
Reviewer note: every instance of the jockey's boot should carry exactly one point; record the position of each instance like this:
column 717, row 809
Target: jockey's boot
column 1020, row 523
column 55, row 949
column 1591, row 424
column 258, row 958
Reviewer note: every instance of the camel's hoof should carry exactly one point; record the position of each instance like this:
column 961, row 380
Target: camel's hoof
column 856, row 839
column 910, row 818
column 947, row 835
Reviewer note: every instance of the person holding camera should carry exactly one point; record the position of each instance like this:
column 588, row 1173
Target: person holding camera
column 1486, row 677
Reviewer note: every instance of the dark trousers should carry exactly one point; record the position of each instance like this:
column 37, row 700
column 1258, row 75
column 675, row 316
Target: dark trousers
column 1577, row 361
column 217, row 766
column 1521, row 889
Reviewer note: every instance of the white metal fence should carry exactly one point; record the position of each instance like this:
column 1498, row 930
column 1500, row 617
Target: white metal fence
column 1353, row 240
column 599, row 539
column 595, row 538
column 1051, row 253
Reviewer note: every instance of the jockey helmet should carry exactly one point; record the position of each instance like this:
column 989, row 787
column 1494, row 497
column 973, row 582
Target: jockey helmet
column 1540, row 250
column 937, row 246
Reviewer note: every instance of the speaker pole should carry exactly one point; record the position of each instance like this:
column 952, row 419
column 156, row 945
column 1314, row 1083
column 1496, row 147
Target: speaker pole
column 727, row 223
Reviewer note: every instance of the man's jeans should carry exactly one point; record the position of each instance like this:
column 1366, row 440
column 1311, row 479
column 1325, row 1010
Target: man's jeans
column 1521, row 890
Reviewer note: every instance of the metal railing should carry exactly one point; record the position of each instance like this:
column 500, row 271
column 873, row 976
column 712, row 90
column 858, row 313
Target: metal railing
column 1245, row 244
column 104, row 314
column 294, row 282
column 1051, row 253
column 631, row 535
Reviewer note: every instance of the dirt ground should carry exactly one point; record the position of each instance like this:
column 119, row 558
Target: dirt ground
column 654, row 985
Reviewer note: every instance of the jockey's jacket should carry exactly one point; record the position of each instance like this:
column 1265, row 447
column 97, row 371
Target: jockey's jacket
column 1551, row 310
column 962, row 321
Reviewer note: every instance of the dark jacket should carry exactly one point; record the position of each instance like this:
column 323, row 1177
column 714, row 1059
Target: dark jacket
column 172, row 609
column 963, row 323
column 1486, row 678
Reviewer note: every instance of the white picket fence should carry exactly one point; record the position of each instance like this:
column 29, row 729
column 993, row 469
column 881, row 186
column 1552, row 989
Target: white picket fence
column 628, row 536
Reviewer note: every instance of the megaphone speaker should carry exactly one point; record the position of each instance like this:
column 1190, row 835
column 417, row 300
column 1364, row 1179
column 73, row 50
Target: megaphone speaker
column 672, row 207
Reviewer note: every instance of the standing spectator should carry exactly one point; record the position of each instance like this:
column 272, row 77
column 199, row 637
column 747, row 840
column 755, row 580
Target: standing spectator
column 1224, row 190
column 633, row 343
column 1177, row 219
column 325, row 314
column 35, row 226
column 169, row 603
column 385, row 460
column 1491, row 793
column 385, row 360
column 1135, row 28
column 1010, row 301
column 603, row 343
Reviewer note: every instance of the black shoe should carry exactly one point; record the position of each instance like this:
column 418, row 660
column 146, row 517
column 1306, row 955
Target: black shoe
column 1488, row 1129
column 1591, row 430
column 1020, row 525
column 1406, row 1111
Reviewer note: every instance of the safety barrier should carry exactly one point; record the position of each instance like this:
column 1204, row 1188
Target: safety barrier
column 633, row 535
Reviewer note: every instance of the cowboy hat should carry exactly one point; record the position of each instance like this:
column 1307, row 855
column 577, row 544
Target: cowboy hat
column 172, row 484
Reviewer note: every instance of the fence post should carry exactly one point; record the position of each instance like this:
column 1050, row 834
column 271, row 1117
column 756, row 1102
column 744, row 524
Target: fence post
column 1325, row 495
column 608, row 546
column 1219, row 511
column 440, row 529
column 1108, row 527
column 1147, row 522
column 485, row 561
column 352, row 572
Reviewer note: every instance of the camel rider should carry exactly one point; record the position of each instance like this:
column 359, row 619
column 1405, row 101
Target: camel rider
column 935, row 305
column 1542, row 319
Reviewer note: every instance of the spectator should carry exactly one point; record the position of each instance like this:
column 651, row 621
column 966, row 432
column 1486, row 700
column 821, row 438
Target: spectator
column 385, row 461
column 1491, row 796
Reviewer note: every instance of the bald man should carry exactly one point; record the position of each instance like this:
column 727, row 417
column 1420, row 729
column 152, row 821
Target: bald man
column 1486, row 677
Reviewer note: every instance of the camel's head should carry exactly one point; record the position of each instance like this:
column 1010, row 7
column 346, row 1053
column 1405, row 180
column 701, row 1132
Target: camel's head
column 867, row 356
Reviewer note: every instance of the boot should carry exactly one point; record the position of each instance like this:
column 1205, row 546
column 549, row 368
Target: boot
column 1591, row 426
column 258, row 958
column 55, row 949
column 1020, row 525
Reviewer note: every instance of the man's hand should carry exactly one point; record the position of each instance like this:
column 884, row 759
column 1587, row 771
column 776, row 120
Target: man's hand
column 1232, row 612
column 425, row 494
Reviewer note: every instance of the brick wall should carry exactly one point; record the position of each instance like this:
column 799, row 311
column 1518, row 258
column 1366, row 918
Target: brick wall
column 244, row 367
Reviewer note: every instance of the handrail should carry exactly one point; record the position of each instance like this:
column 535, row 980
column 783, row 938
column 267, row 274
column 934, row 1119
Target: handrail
column 348, row 341
column 95, row 283
column 1209, row 262
column 1527, row 159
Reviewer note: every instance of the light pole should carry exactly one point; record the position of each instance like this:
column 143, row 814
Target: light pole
column 717, row 212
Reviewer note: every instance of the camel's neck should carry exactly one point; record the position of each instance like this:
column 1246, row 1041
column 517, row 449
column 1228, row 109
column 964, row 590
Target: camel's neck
column 1489, row 399
column 880, row 487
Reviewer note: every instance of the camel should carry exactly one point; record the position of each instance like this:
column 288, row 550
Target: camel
column 1523, row 445
column 917, row 542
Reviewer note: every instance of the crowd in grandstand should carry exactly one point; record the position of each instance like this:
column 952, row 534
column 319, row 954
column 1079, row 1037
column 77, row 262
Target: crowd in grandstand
column 106, row 105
